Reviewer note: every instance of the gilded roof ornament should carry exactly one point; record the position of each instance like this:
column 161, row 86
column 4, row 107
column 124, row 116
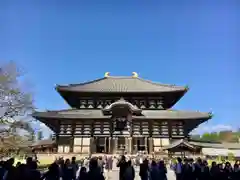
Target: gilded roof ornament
column 107, row 74
column 211, row 114
column 134, row 74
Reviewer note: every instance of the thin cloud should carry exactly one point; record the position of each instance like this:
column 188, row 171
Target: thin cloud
column 213, row 128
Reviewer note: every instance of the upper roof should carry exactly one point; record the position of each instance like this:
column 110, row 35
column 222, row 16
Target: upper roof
column 120, row 84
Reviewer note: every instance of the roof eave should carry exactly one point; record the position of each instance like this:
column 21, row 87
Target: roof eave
column 178, row 97
column 38, row 117
column 60, row 89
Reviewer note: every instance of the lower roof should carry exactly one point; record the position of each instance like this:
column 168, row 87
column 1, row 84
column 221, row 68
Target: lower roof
column 201, row 144
column 146, row 114
column 179, row 143
column 44, row 142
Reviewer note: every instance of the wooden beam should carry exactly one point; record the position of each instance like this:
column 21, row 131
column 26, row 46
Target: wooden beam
column 170, row 128
column 150, row 123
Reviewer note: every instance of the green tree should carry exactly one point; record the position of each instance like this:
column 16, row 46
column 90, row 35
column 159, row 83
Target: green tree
column 196, row 137
column 15, row 102
column 50, row 136
column 39, row 135
column 210, row 137
column 231, row 157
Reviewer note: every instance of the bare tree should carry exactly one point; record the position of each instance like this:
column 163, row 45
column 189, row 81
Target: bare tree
column 15, row 102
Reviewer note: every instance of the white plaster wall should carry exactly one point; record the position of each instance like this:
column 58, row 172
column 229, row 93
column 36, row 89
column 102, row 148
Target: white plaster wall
column 165, row 141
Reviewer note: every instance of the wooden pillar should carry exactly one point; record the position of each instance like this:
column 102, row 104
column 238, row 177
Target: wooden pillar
column 57, row 140
column 73, row 126
column 57, row 134
column 105, row 145
column 71, row 144
column 115, row 145
column 91, row 145
column 130, row 145
column 150, row 143
column 109, row 145
column 145, row 143
column 150, row 123
column 126, row 145
column 92, row 128
column 170, row 129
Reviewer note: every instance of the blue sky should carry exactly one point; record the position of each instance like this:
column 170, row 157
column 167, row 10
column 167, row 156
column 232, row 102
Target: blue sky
column 194, row 43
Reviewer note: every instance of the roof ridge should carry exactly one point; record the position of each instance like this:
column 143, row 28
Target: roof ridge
column 170, row 109
column 177, row 110
column 159, row 83
column 124, row 77
column 146, row 80
column 83, row 83
column 62, row 110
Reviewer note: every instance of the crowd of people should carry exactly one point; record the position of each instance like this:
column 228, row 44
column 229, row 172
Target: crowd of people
column 201, row 170
column 94, row 168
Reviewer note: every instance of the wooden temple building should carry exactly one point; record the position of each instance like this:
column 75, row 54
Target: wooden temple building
column 44, row 146
column 120, row 114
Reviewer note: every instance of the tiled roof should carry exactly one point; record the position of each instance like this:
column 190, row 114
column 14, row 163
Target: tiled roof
column 43, row 142
column 216, row 145
column 122, row 102
column 178, row 143
column 220, row 152
column 121, row 84
column 207, row 147
column 98, row 114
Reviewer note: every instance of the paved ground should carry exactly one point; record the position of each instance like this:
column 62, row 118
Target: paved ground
column 113, row 175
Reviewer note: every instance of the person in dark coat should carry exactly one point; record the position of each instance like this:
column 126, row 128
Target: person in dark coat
column 68, row 171
column 75, row 167
column 197, row 168
column 94, row 172
column 154, row 171
column 205, row 172
column 32, row 172
column 186, row 170
column 10, row 173
column 129, row 173
column 2, row 169
column 144, row 170
column 82, row 174
column 20, row 172
column 122, row 164
column 178, row 169
column 228, row 170
column 221, row 175
column 53, row 172
column 162, row 170
column 236, row 172
column 213, row 171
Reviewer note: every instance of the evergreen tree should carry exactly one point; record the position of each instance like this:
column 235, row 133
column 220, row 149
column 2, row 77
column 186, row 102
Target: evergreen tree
column 39, row 135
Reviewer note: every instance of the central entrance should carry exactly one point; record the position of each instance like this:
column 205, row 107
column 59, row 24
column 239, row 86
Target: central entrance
column 102, row 145
column 121, row 144
column 140, row 144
